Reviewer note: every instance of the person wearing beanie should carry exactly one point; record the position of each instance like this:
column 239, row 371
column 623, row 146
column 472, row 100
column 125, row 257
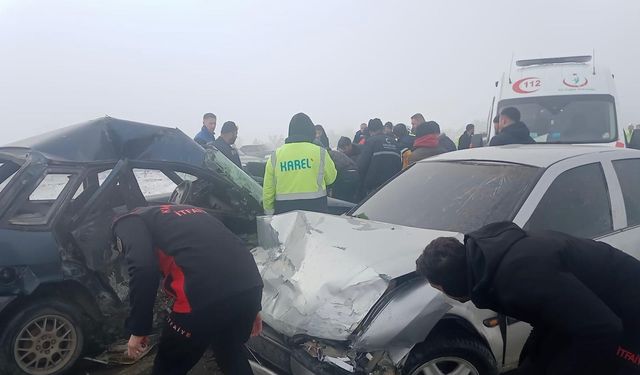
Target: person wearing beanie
column 380, row 159
column 226, row 140
column 297, row 174
column 427, row 143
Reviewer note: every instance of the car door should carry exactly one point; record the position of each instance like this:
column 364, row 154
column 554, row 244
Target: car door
column 624, row 178
column 572, row 197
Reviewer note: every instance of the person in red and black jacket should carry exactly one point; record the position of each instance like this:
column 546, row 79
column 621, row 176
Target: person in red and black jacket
column 209, row 272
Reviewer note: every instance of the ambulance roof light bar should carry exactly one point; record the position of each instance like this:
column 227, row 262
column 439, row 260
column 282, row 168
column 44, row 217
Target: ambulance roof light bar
column 554, row 60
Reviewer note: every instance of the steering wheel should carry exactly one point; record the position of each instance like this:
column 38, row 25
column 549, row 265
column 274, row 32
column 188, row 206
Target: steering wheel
column 182, row 193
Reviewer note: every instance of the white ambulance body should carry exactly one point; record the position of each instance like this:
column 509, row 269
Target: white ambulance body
column 562, row 100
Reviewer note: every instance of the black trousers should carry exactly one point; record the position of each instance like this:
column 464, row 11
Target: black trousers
column 225, row 328
column 314, row 205
column 546, row 352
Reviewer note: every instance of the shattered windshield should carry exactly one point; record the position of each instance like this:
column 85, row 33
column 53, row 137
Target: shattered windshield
column 452, row 196
column 568, row 118
column 219, row 163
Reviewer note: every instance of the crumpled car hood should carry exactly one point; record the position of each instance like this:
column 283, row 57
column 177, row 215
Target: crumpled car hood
column 323, row 273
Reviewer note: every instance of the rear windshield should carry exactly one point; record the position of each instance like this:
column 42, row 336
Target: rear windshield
column 452, row 196
column 568, row 118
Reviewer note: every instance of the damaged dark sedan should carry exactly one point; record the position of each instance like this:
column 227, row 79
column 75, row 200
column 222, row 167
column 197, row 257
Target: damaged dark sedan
column 62, row 289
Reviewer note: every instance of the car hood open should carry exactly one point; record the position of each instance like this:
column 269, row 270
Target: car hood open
column 324, row 273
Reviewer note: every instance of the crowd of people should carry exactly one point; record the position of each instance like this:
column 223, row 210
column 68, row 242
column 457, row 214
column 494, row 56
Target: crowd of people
column 581, row 316
column 306, row 170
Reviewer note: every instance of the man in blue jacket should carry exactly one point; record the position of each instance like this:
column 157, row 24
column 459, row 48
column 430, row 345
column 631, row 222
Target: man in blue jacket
column 208, row 132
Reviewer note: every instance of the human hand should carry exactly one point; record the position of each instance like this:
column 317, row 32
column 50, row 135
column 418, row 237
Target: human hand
column 136, row 346
column 257, row 326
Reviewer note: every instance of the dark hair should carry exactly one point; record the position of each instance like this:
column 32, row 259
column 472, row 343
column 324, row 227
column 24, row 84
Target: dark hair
column 229, row 127
column 470, row 126
column 323, row 137
column 400, row 130
column 512, row 113
column 209, row 115
column 426, row 128
column 344, row 142
column 444, row 262
column 418, row 116
column 496, row 119
column 375, row 125
column 388, row 124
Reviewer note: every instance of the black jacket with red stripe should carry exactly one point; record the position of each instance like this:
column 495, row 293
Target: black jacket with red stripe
column 202, row 261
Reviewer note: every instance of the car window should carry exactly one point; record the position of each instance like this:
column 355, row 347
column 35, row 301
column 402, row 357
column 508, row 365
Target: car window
column 7, row 171
column 37, row 208
column 101, row 177
column 453, row 196
column 628, row 172
column 153, row 182
column 576, row 203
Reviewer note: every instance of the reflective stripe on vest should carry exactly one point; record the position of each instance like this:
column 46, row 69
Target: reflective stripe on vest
column 273, row 164
column 387, row 153
column 321, row 192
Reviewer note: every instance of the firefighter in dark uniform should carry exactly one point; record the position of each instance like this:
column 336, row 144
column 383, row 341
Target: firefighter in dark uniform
column 209, row 272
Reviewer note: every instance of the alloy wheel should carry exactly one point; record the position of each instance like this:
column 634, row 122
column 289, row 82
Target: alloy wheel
column 447, row 366
column 45, row 345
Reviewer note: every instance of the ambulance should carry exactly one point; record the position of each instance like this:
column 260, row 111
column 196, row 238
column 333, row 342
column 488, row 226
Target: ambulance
column 562, row 100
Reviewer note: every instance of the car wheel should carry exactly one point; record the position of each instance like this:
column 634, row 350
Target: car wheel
column 451, row 356
column 43, row 338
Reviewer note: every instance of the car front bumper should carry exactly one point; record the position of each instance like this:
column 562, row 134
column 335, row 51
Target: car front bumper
column 275, row 349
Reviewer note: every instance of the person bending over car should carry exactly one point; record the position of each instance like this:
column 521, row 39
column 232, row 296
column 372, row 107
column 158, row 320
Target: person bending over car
column 210, row 273
column 582, row 297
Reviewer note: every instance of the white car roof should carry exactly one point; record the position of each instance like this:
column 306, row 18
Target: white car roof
column 538, row 155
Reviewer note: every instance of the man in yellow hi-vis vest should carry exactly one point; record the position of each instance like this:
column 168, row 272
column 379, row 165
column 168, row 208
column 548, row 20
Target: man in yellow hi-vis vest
column 297, row 174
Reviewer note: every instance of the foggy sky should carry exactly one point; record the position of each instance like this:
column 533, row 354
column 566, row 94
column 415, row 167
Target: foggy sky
column 259, row 62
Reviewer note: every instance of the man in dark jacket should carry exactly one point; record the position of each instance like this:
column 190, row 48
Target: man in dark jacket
column 512, row 130
column 464, row 142
column 226, row 140
column 360, row 134
column 580, row 296
column 208, row 132
column 208, row 271
column 446, row 142
column 427, row 142
column 348, row 179
column 380, row 159
column 405, row 140
column 348, row 148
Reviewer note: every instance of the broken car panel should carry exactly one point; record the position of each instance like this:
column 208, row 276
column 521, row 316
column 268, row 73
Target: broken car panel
column 59, row 194
column 369, row 302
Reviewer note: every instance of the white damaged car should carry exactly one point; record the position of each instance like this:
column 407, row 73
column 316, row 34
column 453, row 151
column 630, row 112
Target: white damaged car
column 341, row 294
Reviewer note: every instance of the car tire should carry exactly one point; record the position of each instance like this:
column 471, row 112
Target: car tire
column 44, row 337
column 445, row 356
